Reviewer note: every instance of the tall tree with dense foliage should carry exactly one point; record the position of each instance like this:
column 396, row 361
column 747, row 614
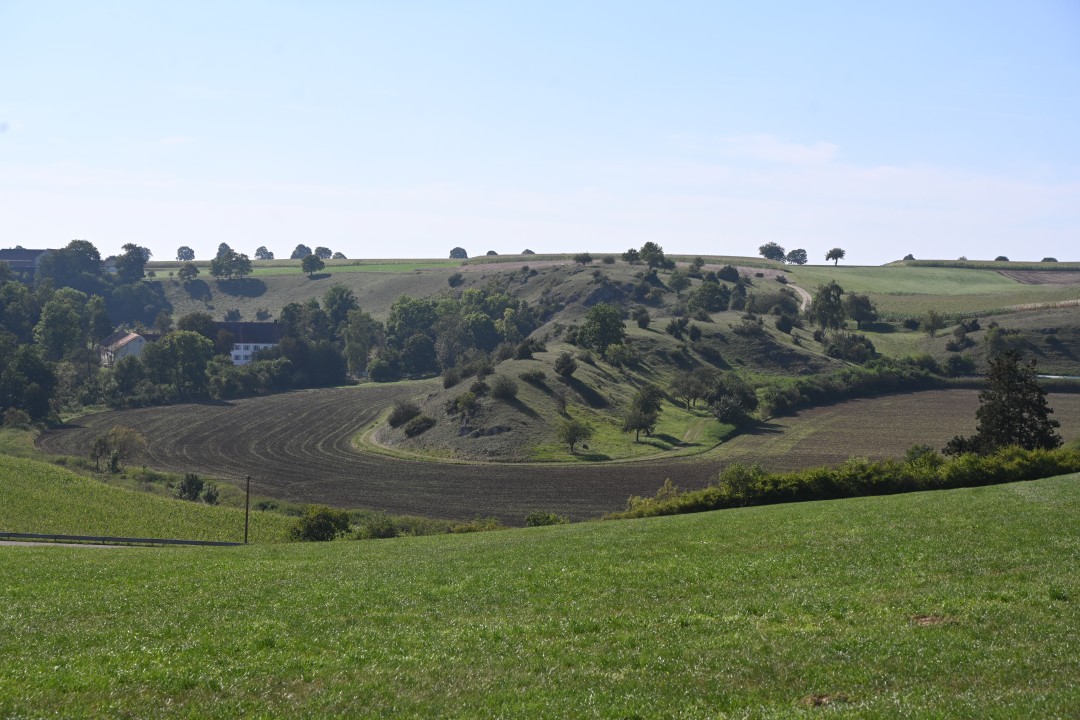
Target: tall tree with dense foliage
column 131, row 264
column 263, row 254
column 459, row 253
column 602, row 328
column 836, row 255
column 771, row 251
column 300, row 252
column 185, row 254
column 312, row 264
column 1012, row 410
column 653, row 255
column 796, row 257
column 827, row 308
column 860, row 309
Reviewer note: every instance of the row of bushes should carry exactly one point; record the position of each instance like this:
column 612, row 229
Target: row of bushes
column 739, row 485
column 321, row 523
column 877, row 377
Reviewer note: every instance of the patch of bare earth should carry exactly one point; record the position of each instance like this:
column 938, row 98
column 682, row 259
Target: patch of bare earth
column 822, row 699
column 929, row 620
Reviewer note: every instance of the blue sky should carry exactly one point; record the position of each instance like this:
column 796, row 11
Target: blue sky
column 405, row 129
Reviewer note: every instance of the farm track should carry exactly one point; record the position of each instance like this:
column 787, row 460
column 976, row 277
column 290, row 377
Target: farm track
column 297, row 446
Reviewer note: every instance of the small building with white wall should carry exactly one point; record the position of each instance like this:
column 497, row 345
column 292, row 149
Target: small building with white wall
column 250, row 337
column 120, row 345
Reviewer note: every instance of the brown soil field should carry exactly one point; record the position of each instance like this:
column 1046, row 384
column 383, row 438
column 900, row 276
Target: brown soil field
column 1043, row 277
column 298, row 447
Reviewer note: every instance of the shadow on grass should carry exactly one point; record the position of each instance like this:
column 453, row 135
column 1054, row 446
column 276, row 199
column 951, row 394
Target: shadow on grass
column 591, row 397
column 764, row 428
column 318, row 276
column 242, row 287
column 522, row 408
column 197, row 289
column 879, row 327
column 592, row 457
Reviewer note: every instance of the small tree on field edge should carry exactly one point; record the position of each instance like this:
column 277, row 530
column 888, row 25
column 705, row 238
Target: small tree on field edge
column 1012, row 411
column 573, row 432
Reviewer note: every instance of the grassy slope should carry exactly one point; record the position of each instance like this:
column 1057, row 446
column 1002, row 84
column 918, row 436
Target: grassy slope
column 36, row 497
column 959, row 603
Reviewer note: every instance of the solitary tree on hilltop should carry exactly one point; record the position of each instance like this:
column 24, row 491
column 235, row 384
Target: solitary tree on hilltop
column 300, row 252
column 836, row 255
column 1012, row 411
column 185, row 254
column 263, row 254
column 771, row 251
column 312, row 264
column 796, row 257
column 459, row 253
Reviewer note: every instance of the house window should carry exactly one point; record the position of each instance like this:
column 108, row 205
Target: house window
column 247, row 347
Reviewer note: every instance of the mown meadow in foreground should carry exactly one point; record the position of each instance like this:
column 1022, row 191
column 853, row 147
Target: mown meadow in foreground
column 950, row 603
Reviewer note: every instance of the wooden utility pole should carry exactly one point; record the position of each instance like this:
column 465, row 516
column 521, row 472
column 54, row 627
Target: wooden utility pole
column 247, row 505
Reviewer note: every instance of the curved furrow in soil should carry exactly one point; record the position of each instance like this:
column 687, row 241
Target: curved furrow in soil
column 297, row 446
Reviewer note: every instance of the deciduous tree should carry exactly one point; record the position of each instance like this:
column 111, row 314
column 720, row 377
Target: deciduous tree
column 771, row 251
column 796, row 257
column 185, row 254
column 827, row 309
column 602, row 328
column 312, row 264
column 574, row 431
column 836, row 255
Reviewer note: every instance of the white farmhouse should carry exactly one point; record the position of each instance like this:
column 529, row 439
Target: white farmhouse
column 249, row 337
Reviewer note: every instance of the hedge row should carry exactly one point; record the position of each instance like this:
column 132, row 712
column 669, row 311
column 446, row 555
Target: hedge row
column 739, row 485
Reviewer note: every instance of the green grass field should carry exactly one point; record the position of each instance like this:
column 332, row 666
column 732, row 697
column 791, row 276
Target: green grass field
column 36, row 497
column 902, row 292
column 950, row 604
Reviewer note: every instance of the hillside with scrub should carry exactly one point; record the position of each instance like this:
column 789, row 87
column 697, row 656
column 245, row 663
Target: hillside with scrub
column 535, row 358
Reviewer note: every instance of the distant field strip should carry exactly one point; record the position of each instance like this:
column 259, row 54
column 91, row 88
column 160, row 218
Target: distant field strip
column 903, row 292
column 298, row 447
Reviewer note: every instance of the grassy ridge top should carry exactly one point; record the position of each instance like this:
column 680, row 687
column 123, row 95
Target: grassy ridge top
column 36, row 497
column 956, row 603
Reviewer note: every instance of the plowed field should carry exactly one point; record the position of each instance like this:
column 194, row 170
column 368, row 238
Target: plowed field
column 298, row 446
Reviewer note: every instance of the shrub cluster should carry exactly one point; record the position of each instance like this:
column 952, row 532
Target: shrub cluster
column 739, row 485
column 879, row 376
column 537, row 519
column 503, row 388
column 402, row 413
column 321, row 523
column 418, row 425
